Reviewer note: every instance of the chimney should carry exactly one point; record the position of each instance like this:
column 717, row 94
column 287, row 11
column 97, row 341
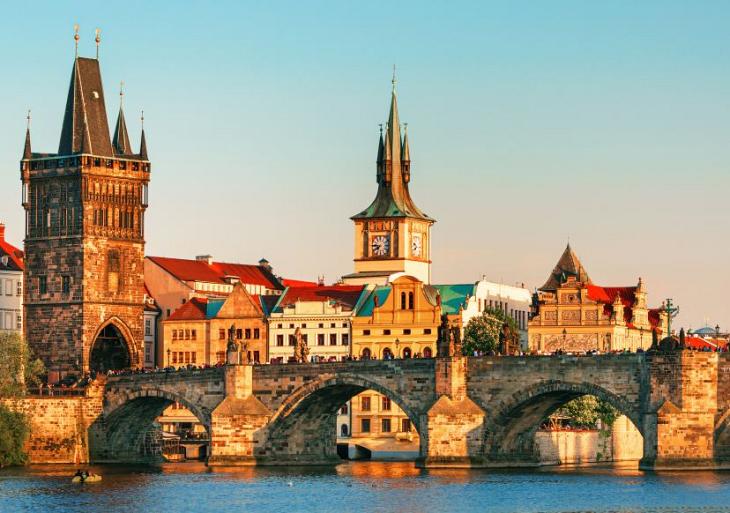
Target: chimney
column 205, row 258
column 2, row 232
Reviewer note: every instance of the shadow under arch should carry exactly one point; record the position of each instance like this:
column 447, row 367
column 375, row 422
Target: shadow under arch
column 120, row 432
column 722, row 437
column 510, row 434
column 304, row 428
column 104, row 345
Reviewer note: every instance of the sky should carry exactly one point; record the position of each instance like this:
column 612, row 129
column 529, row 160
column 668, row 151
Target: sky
column 530, row 124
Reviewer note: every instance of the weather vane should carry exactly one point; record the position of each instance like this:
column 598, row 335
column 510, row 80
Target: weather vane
column 394, row 79
column 142, row 119
column 98, row 40
column 121, row 94
column 27, row 118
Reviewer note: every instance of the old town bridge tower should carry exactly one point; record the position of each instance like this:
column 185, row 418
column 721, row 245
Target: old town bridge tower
column 84, row 237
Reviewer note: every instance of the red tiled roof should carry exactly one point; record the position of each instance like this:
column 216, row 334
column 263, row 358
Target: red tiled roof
column 347, row 295
column 199, row 270
column 15, row 256
column 699, row 343
column 193, row 310
column 607, row 295
column 298, row 283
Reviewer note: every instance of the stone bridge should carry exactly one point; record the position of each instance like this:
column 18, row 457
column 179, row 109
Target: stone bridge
column 477, row 412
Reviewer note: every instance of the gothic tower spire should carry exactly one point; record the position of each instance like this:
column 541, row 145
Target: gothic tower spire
column 121, row 136
column 26, row 149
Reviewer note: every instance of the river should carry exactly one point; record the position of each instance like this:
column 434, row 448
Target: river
column 361, row 487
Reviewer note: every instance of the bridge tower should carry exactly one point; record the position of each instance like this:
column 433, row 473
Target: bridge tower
column 84, row 236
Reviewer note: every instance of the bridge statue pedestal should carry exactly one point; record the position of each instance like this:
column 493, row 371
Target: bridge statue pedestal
column 682, row 407
column 238, row 423
column 454, row 423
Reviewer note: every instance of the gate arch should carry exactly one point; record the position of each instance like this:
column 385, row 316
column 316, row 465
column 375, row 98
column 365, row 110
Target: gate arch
column 112, row 347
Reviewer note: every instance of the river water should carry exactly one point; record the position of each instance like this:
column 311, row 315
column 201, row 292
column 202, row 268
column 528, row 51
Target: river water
column 361, row 487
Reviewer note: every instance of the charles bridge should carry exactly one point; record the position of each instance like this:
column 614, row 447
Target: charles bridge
column 477, row 412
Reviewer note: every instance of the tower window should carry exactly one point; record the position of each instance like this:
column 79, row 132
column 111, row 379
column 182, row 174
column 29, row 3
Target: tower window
column 410, row 300
column 402, row 300
column 42, row 285
column 66, row 284
column 113, row 268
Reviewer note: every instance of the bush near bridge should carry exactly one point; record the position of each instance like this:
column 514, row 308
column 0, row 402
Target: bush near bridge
column 14, row 429
column 586, row 412
column 481, row 333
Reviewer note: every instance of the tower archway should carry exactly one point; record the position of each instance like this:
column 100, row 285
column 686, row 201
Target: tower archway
column 110, row 349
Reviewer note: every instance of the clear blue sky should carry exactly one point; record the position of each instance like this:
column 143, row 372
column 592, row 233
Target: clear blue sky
column 530, row 122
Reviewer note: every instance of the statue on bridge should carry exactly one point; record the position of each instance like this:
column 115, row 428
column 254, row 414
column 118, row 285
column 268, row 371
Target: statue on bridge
column 301, row 350
column 449, row 339
column 233, row 357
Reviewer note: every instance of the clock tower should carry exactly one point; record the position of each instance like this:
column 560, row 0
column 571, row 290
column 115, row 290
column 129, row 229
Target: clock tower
column 392, row 235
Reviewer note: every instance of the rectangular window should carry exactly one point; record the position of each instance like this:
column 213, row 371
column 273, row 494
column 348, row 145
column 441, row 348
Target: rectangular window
column 292, row 340
column 365, row 403
column 193, row 334
column 256, row 333
column 321, row 325
column 20, row 289
column 193, row 357
column 278, row 325
column 19, row 322
column 385, row 425
column 333, row 339
column 248, row 333
column 405, row 425
column 304, row 325
column 320, row 339
column 147, row 327
column 365, row 425
column 256, row 357
column 187, row 334
column 8, row 287
column 386, row 332
column 427, row 331
column 221, row 334
column 174, row 335
column 66, row 284
column 345, row 339
column 366, row 332
column 332, row 325
column 239, row 334
column 280, row 340
column 406, row 332
column 42, row 285
column 386, row 403
column 174, row 357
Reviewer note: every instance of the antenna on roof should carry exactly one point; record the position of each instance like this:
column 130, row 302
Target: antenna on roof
column 98, row 40
column 76, row 40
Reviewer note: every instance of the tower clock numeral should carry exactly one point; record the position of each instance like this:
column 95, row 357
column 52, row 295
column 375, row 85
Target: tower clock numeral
column 416, row 244
column 381, row 245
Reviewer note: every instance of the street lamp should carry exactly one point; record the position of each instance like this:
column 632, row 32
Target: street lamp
column 397, row 343
column 168, row 357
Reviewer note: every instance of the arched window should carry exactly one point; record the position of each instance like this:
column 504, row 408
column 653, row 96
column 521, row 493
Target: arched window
column 344, row 430
column 402, row 300
column 410, row 300
column 427, row 353
column 406, row 352
column 365, row 354
column 387, row 354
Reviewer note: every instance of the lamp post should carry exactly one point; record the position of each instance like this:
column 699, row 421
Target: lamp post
column 397, row 343
column 168, row 357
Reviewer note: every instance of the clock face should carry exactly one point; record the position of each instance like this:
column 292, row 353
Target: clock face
column 416, row 244
column 381, row 245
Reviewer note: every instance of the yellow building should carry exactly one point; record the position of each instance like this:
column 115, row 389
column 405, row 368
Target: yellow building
column 574, row 315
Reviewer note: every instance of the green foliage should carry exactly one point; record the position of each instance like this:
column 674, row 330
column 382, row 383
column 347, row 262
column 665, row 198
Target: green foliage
column 586, row 412
column 482, row 332
column 14, row 430
column 18, row 368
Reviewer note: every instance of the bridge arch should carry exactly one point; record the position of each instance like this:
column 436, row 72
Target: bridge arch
column 510, row 432
column 130, row 414
column 303, row 429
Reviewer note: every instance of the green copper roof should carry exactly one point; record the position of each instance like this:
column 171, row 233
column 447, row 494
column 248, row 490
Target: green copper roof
column 213, row 307
column 368, row 304
column 454, row 296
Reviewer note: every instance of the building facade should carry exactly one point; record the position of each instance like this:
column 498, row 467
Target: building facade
column 11, row 286
column 572, row 314
column 151, row 316
column 198, row 332
column 320, row 315
column 514, row 301
column 392, row 235
column 84, row 237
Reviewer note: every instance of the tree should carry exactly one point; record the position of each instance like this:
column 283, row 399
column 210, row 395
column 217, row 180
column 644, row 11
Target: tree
column 586, row 412
column 15, row 429
column 482, row 332
column 18, row 368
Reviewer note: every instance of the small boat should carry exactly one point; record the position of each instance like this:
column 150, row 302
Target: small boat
column 91, row 478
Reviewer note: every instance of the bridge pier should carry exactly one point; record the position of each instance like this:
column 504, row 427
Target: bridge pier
column 681, row 411
column 453, row 426
column 238, row 423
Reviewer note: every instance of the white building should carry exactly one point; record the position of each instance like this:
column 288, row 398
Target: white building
column 11, row 286
column 515, row 301
column 151, row 314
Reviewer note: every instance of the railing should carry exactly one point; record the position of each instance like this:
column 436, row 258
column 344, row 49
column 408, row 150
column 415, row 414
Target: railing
column 56, row 392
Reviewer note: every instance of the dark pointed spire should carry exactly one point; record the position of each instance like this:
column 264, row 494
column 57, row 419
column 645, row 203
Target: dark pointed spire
column 121, row 136
column 381, row 147
column 393, row 172
column 568, row 265
column 143, row 142
column 85, row 121
column 26, row 149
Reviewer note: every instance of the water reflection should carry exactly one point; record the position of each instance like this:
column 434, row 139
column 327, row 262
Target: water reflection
column 363, row 486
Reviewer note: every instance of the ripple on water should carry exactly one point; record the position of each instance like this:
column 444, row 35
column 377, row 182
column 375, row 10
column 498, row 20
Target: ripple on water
column 362, row 487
